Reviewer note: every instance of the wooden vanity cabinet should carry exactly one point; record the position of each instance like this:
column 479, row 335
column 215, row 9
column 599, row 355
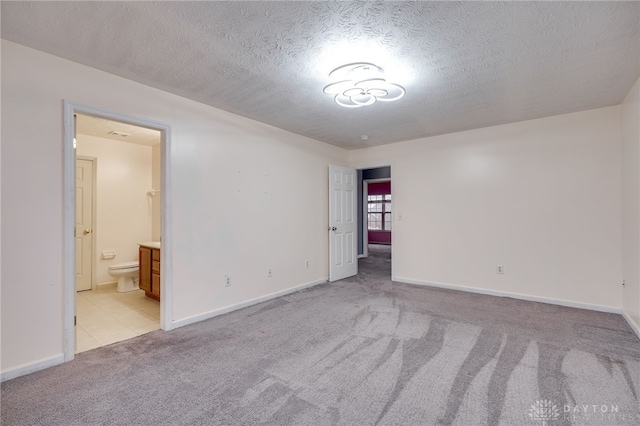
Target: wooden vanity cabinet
column 149, row 259
column 145, row 269
column 155, row 274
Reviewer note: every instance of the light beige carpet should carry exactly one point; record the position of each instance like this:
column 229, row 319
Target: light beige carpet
column 361, row 351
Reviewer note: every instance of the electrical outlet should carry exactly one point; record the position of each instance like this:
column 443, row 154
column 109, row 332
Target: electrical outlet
column 306, row 264
column 499, row 269
column 227, row 280
column 269, row 273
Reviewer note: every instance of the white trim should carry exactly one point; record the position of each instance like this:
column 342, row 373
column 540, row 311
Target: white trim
column 568, row 303
column 634, row 326
column 227, row 309
column 166, row 232
column 31, row 367
column 364, row 226
column 59, row 359
column 68, row 246
column 69, row 156
column 377, row 180
column 365, row 212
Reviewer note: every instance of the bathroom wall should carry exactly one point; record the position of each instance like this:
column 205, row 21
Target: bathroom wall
column 124, row 210
column 156, row 200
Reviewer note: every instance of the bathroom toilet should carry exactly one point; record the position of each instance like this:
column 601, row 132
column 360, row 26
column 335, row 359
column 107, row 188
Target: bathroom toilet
column 127, row 275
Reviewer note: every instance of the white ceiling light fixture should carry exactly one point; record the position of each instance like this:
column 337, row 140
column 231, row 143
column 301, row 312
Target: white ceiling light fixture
column 360, row 84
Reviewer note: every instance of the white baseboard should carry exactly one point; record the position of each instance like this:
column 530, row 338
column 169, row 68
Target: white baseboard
column 32, row 367
column 634, row 326
column 24, row 369
column 569, row 303
column 227, row 309
column 59, row 359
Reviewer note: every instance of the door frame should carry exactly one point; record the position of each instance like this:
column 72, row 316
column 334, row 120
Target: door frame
column 365, row 216
column 94, row 216
column 69, row 180
column 363, row 219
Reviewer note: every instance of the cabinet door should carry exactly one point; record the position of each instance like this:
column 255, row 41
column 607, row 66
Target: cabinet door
column 155, row 274
column 155, row 285
column 145, row 268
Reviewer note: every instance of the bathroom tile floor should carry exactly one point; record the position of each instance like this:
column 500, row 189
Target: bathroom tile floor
column 105, row 316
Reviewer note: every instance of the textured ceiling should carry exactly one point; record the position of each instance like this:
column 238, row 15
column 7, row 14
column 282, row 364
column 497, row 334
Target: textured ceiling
column 464, row 65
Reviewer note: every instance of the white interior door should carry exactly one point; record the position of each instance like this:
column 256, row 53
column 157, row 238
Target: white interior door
column 343, row 248
column 84, row 225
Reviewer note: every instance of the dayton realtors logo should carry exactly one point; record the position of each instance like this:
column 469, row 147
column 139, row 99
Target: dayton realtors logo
column 547, row 411
column 544, row 410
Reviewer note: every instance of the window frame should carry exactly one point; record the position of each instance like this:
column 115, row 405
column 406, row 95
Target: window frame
column 386, row 222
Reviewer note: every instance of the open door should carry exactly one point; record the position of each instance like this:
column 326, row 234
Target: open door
column 84, row 223
column 343, row 248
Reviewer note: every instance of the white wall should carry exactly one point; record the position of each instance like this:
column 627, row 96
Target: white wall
column 156, row 200
column 246, row 196
column 631, row 204
column 124, row 210
column 540, row 197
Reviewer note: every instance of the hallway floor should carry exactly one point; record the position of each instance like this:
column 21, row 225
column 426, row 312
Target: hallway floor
column 106, row 316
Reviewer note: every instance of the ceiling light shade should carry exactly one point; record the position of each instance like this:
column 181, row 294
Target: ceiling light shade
column 361, row 84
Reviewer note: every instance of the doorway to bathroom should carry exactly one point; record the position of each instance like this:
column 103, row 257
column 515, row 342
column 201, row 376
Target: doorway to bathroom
column 115, row 175
column 110, row 307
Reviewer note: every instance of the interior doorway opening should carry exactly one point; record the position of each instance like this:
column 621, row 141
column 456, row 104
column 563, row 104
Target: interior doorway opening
column 375, row 210
column 102, row 137
column 110, row 225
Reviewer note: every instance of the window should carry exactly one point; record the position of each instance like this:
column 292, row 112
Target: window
column 379, row 212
